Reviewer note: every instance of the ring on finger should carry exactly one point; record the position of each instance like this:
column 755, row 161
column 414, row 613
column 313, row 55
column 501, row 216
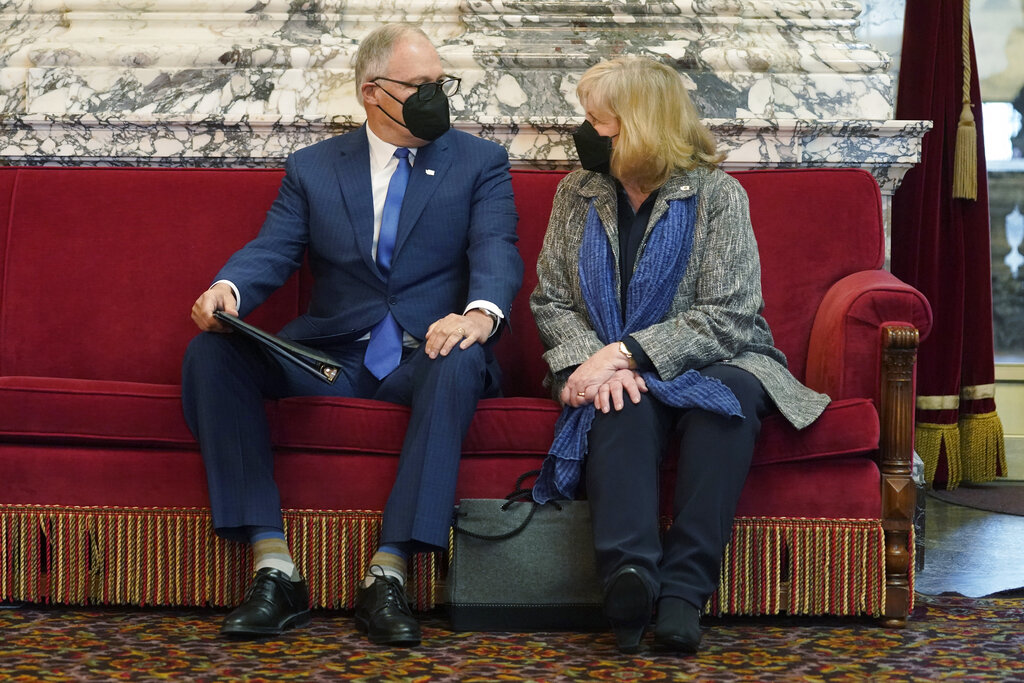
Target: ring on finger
column 581, row 394
column 462, row 332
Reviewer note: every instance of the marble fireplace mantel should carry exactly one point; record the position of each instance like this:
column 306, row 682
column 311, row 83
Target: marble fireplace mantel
column 886, row 148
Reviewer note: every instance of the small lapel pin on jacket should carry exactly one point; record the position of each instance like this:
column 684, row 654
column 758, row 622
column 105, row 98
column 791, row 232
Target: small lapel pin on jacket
column 429, row 171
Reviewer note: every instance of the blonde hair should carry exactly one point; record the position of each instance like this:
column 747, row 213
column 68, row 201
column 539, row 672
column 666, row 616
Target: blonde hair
column 659, row 129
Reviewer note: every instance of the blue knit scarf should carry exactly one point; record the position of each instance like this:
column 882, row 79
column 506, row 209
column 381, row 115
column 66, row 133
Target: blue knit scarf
column 651, row 290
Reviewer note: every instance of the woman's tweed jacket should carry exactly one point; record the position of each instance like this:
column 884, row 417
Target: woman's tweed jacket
column 716, row 314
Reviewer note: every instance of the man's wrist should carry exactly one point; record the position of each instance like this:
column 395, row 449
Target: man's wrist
column 231, row 288
column 490, row 316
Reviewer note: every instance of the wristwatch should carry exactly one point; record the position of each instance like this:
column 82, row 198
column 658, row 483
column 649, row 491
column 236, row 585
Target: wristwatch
column 494, row 318
column 629, row 356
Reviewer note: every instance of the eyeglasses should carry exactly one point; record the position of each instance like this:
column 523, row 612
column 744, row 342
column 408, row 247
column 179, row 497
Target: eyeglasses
column 449, row 85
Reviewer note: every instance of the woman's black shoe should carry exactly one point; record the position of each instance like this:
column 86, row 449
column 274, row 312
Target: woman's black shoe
column 273, row 603
column 678, row 627
column 628, row 604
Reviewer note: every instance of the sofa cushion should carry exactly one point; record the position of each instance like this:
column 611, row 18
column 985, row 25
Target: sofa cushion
column 89, row 411
column 97, row 412
column 519, row 350
column 828, row 221
column 511, row 426
column 847, row 427
column 101, row 412
column 105, row 243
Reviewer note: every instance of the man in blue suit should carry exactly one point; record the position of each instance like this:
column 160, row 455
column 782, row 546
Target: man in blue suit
column 409, row 229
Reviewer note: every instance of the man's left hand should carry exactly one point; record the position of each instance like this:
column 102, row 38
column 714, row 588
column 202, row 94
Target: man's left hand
column 464, row 330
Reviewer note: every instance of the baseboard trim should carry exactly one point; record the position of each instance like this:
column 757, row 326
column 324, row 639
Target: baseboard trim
column 1015, row 457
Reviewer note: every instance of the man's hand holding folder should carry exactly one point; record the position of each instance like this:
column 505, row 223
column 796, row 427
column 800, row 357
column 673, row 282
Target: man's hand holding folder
column 308, row 359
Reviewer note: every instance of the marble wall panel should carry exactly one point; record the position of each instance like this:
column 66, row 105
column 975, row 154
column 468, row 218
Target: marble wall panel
column 881, row 26
column 187, row 92
column 244, row 82
column 798, row 58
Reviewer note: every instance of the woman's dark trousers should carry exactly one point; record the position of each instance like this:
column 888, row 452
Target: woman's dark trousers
column 622, row 479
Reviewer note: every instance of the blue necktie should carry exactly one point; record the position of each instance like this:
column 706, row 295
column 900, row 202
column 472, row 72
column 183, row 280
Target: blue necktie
column 384, row 352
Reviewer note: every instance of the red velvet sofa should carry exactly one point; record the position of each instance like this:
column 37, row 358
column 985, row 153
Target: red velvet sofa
column 102, row 490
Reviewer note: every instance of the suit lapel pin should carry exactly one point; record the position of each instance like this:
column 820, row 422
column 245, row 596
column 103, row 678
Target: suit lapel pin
column 429, row 171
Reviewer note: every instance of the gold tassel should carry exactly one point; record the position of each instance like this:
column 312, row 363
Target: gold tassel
column 929, row 439
column 151, row 556
column 965, row 157
column 982, row 447
column 965, row 160
column 829, row 566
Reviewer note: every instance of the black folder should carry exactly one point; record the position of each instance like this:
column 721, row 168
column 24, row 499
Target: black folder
column 310, row 360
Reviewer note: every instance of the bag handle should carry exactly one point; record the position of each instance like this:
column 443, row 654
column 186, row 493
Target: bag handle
column 519, row 495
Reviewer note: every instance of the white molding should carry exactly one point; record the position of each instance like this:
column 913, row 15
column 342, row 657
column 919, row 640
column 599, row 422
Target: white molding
column 1009, row 372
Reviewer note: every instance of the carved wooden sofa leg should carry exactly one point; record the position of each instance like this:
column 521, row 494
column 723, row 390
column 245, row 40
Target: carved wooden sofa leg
column 899, row 353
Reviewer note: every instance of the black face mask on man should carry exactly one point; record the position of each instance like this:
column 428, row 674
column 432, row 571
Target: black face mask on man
column 594, row 149
column 428, row 118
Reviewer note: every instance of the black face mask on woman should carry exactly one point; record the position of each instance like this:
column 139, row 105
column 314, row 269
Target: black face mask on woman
column 594, row 149
column 426, row 117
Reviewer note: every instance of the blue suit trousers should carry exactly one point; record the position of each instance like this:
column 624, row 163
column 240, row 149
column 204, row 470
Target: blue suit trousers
column 226, row 378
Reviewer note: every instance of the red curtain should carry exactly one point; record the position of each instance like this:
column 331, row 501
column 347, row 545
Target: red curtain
column 941, row 246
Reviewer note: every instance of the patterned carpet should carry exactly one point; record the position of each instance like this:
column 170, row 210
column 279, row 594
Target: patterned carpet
column 947, row 638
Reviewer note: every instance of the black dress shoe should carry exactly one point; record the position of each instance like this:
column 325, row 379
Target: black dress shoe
column 273, row 603
column 628, row 604
column 678, row 627
column 383, row 614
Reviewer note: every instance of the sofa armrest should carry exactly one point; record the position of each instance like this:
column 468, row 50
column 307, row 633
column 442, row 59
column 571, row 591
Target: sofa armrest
column 864, row 343
column 844, row 354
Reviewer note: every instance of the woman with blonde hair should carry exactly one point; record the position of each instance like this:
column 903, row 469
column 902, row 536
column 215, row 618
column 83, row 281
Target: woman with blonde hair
column 649, row 305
